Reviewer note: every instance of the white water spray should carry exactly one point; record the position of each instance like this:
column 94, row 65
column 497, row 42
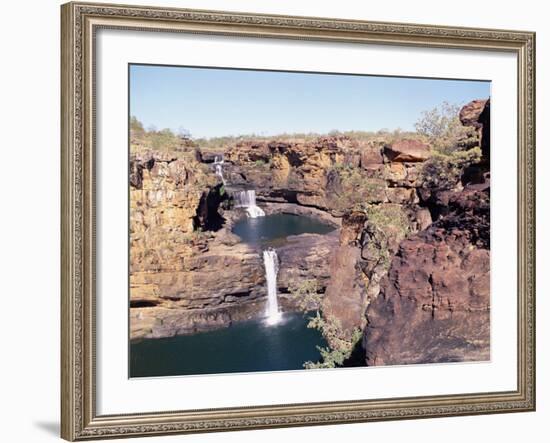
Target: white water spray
column 247, row 200
column 218, row 167
column 271, row 264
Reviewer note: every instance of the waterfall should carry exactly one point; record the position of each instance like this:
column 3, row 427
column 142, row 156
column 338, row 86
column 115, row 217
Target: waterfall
column 218, row 167
column 271, row 264
column 247, row 200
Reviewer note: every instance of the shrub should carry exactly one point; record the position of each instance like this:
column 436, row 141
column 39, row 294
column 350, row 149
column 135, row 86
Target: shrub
column 163, row 140
column 336, row 355
column 387, row 225
column 308, row 298
column 443, row 129
column 355, row 189
column 388, row 216
column 136, row 126
column 443, row 171
column 306, row 294
column 261, row 163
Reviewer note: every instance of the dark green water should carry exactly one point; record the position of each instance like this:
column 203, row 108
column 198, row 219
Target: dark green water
column 244, row 347
column 262, row 230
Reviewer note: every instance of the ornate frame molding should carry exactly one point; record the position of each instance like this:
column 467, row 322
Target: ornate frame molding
column 79, row 420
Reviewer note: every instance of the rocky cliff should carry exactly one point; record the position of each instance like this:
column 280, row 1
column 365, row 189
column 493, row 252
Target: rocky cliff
column 434, row 303
column 175, row 207
column 188, row 272
column 407, row 266
column 335, row 174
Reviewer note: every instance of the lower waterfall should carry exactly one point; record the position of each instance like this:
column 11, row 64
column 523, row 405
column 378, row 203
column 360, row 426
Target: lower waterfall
column 271, row 264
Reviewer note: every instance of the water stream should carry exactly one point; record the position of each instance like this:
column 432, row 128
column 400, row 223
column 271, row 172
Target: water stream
column 247, row 200
column 218, row 168
column 271, row 264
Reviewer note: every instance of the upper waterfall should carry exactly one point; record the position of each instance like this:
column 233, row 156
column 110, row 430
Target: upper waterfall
column 247, row 200
column 218, row 167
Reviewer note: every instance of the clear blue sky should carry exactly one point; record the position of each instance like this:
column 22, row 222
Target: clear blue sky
column 218, row 102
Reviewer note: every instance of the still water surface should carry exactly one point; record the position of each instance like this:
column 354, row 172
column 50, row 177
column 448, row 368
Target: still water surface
column 262, row 230
column 244, row 347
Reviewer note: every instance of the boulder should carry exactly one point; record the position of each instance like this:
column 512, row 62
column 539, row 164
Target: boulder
column 402, row 195
column 302, row 258
column 470, row 114
column 371, row 158
column 423, row 219
column 407, row 151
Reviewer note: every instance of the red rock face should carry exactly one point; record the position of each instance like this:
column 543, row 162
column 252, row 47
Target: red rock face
column 470, row 113
column 345, row 294
column 371, row 158
column 434, row 303
column 477, row 114
column 407, row 151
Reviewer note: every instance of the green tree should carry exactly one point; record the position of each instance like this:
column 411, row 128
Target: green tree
column 164, row 140
column 443, row 171
column 308, row 297
column 443, row 129
column 135, row 125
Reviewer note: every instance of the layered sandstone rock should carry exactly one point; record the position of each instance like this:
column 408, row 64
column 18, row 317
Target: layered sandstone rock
column 210, row 289
column 222, row 284
column 174, row 201
column 434, row 303
column 334, row 174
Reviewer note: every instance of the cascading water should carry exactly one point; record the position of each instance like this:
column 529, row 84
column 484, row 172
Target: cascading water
column 271, row 264
column 247, row 200
column 218, row 167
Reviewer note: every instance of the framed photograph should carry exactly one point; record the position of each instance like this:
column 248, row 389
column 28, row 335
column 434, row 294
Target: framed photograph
column 277, row 221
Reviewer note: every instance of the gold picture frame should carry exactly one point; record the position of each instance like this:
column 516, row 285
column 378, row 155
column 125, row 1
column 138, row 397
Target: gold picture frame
column 80, row 21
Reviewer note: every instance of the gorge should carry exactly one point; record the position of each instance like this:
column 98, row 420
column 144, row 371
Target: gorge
column 375, row 250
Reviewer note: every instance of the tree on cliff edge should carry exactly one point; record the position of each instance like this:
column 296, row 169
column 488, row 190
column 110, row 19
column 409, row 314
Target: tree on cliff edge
column 443, row 129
